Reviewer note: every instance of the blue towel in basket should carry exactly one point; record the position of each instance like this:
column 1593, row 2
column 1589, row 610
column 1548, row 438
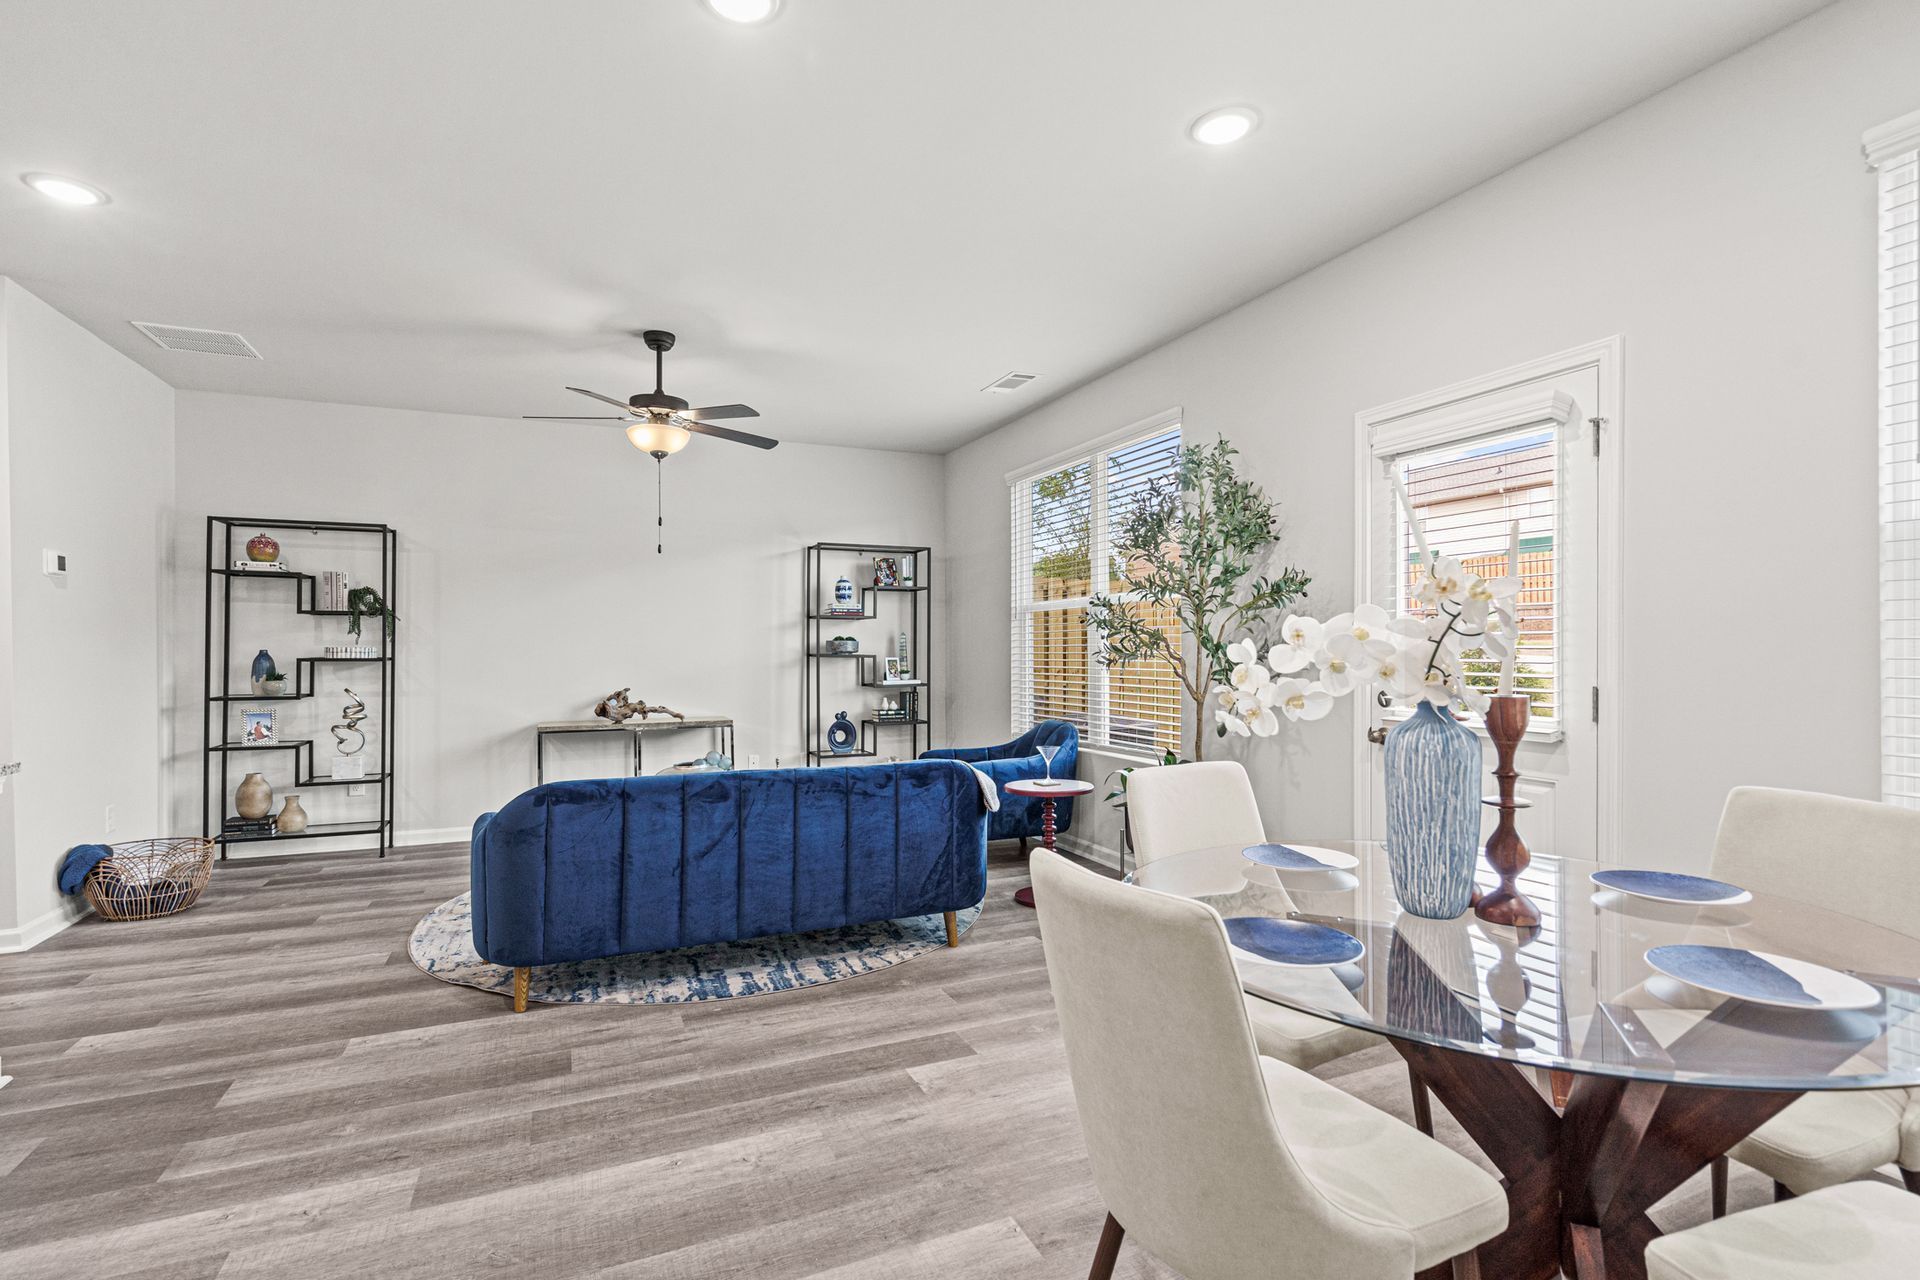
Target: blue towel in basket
column 81, row 859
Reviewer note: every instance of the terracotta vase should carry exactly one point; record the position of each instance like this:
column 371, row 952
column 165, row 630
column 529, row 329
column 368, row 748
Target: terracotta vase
column 254, row 798
column 292, row 817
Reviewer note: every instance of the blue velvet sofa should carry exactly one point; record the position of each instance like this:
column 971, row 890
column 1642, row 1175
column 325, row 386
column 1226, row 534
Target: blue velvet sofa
column 1019, row 816
column 580, row 870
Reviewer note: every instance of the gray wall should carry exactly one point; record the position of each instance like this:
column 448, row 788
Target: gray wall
column 1725, row 229
column 88, row 436
column 530, row 587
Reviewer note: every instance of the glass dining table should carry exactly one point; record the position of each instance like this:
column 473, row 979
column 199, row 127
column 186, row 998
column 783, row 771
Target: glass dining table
column 1594, row 1082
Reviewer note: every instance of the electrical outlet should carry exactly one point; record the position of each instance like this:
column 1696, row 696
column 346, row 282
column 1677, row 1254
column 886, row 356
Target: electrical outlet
column 106, row 827
column 357, row 789
column 753, row 762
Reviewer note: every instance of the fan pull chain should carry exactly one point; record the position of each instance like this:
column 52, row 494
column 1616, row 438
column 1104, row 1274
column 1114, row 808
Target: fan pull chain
column 659, row 508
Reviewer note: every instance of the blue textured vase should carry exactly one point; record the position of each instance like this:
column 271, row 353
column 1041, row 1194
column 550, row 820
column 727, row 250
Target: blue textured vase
column 1433, row 812
column 262, row 664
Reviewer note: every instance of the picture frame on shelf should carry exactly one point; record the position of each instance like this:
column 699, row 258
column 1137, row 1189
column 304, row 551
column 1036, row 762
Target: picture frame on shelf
column 256, row 727
column 886, row 571
column 891, row 669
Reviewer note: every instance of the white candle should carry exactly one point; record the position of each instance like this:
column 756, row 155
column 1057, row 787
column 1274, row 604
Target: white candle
column 1513, row 571
column 1413, row 521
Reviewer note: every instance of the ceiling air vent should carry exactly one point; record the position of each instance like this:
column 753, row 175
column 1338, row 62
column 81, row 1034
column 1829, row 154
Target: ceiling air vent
column 1012, row 382
column 211, row 342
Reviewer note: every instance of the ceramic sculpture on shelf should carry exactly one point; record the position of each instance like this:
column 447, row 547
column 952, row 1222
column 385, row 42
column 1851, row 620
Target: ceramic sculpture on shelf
column 253, row 799
column 263, row 549
column 292, row 817
column 843, row 593
column 349, row 730
column 841, row 735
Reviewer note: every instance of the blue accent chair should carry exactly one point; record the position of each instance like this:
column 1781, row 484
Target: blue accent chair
column 580, row 870
column 1019, row 816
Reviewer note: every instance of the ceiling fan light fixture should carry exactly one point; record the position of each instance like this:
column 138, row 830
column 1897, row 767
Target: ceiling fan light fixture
column 1219, row 127
column 744, row 11
column 658, row 437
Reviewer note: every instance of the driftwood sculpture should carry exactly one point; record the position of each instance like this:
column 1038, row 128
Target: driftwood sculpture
column 616, row 708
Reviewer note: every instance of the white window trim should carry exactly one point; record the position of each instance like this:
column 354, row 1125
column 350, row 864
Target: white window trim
column 1607, row 357
column 1893, row 142
column 1020, row 491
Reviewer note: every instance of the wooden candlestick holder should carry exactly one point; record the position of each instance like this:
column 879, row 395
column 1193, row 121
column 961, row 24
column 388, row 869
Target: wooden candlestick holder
column 1506, row 853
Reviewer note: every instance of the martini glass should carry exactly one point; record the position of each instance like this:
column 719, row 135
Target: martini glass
column 1047, row 754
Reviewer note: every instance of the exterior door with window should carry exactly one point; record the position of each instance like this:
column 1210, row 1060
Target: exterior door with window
column 1477, row 460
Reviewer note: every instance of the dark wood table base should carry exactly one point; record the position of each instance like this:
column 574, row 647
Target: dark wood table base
column 1579, row 1183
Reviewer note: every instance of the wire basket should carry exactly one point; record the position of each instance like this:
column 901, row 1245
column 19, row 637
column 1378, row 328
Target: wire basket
column 147, row 879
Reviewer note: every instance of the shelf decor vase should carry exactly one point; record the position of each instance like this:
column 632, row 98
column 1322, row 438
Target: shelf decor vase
column 253, row 799
column 1433, row 812
column 843, row 593
column 1507, row 717
column 262, row 668
column 262, row 549
column 292, row 817
column 841, row 735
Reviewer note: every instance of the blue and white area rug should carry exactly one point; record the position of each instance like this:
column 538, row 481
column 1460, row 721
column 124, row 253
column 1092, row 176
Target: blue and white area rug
column 442, row 945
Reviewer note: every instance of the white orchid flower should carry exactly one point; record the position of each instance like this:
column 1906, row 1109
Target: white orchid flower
column 1243, row 653
column 1284, row 659
column 1233, row 724
column 1399, row 673
column 1497, row 634
column 1264, row 723
column 1302, row 633
column 1437, row 687
column 1299, row 700
column 1446, row 581
column 1249, row 677
column 1347, row 664
column 1368, row 625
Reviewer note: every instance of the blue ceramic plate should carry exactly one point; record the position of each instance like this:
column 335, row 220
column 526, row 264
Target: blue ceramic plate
column 1668, row 886
column 1762, row 978
column 1299, row 943
column 1287, row 858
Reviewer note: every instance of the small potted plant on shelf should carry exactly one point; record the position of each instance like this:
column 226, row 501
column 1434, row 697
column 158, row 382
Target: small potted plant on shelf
column 273, row 684
column 365, row 602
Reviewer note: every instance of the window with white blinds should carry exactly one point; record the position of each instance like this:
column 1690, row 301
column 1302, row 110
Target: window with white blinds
column 1068, row 531
column 1894, row 150
column 1469, row 496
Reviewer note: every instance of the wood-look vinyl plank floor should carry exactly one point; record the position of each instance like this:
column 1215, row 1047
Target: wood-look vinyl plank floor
column 266, row 1086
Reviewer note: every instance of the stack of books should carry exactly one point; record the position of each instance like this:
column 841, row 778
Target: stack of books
column 261, row 566
column 251, row 826
column 331, row 590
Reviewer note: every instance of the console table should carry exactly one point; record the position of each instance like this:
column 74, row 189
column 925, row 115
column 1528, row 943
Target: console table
column 636, row 729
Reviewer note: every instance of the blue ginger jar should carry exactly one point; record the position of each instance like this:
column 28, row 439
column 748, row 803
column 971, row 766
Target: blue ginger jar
column 1433, row 812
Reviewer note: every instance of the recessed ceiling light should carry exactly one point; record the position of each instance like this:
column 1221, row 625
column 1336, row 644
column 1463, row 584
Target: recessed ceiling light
column 65, row 190
column 744, row 10
column 1228, row 124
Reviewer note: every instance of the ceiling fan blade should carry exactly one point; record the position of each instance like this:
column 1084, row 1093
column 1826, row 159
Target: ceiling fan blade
column 618, row 404
column 713, row 411
column 549, row 417
column 728, row 433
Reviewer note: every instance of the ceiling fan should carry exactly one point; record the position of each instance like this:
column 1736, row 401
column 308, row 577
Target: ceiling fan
column 661, row 424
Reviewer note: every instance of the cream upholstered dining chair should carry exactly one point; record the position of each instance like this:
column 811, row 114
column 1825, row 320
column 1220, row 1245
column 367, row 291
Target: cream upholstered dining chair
column 1179, row 808
column 1222, row 1163
column 1860, row 858
column 1859, row 1231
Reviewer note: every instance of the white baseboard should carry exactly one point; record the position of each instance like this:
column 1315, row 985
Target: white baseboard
column 39, row 929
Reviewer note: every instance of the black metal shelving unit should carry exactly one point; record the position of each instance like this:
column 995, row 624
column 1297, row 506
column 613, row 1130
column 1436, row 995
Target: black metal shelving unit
column 916, row 619
column 217, row 752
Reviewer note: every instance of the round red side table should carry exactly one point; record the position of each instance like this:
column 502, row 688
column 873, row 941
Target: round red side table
column 1045, row 792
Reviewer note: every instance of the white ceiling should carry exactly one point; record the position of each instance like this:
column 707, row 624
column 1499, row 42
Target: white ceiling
column 855, row 216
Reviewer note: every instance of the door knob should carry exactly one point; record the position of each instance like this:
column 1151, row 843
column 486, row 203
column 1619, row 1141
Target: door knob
column 1377, row 735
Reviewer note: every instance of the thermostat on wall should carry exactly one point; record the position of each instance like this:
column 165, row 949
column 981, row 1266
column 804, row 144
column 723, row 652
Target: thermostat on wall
column 53, row 563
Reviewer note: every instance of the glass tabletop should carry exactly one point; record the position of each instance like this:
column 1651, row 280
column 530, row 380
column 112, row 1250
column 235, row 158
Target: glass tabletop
column 1578, row 994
